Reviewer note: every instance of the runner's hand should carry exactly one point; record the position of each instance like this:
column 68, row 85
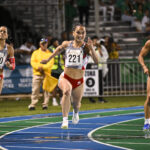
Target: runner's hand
column 146, row 71
column 90, row 43
column 7, row 63
column 45, row 61
column 40, row 69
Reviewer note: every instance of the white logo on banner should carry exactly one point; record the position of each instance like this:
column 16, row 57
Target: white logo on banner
column 25, row 72
column 7, row 73
column 17, row 81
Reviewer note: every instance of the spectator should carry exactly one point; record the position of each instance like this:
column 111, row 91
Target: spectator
column 146, row 22
column 112, row 47
column 113, row 77
column 83, row 8
column 118, row 9
column 103, row 69
column 57, row 68
column 70, row 14
column 147, row 5
column 64, row 37
column 25, row 51
column 126, row 8
column 49, row 37
column 139, row 15
column 41, row 75
column 107, row 7
column 104, row 57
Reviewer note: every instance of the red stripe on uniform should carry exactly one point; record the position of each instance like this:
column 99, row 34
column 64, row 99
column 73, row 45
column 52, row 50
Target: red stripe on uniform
column 84, row 56
column 1, row 76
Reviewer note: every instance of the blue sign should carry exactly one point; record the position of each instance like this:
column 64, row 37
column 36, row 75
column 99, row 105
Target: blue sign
column 18, row 80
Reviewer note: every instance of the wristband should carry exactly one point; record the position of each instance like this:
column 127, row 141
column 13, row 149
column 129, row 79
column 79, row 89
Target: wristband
column 12, row 62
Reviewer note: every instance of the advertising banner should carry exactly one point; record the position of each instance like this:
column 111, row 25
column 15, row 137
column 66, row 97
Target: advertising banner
column 19, row 81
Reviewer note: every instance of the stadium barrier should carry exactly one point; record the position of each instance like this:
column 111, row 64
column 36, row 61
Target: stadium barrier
column 124, row 78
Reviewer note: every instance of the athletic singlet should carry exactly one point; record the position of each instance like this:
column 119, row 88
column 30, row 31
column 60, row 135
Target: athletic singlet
column 75, row 57
column 3, row 56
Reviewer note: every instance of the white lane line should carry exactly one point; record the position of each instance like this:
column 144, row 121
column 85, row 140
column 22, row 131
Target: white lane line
column 30, row 120
column 142, row 109
column 9, row 126
column 20, row 130
column 98, row 116
column 29, row 147
column 119, row 136
column 38, row 122
column 69, row 128
column 124, row 130
column 128, row 143
column 91, row 132
column 37, row 140
column 46, row 133
column 81, row 113
column 2, row 148
column 59, row 122
column 107, row 124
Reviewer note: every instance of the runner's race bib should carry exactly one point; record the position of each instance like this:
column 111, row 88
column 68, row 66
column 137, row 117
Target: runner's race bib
column 2, row 60
column 74, row 58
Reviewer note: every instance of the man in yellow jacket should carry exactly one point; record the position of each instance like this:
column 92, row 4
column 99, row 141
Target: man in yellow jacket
column 41, row 75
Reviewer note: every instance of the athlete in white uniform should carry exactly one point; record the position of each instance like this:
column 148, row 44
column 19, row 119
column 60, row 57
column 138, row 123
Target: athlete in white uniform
column 71, row 81
column 6, row 52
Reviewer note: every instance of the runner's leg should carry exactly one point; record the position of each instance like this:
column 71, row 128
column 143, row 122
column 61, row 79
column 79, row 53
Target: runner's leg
column 66, row 88
column 76, row 102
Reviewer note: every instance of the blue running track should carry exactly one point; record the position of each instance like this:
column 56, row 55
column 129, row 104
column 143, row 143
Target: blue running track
column 52, row 137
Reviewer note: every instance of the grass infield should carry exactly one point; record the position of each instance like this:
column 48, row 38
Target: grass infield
column 12, row 107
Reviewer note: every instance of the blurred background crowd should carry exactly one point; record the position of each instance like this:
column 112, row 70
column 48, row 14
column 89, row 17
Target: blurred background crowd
column 118, row 27
column 123, row 25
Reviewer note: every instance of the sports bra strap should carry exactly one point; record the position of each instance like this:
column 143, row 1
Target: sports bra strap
column 71, row 44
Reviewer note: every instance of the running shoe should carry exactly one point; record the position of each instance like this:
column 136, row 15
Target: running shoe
column 146, row 126
column 44, row 107
column 92, row 100
column 31, row 108
column 55, row 103
column 75, row 118
column 64, row 124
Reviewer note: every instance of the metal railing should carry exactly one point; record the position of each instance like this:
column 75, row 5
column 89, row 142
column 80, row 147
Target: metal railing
column 124, row 78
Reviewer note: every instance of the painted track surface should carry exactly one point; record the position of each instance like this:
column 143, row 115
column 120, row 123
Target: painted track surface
column 51, row 136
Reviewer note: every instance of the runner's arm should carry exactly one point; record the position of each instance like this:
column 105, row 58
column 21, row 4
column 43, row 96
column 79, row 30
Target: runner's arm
column 11, row 63
column 58, row 50
column 144, row 51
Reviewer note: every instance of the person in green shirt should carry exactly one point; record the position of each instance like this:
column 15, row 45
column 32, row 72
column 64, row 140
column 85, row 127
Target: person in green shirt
column 70, row 14
column 57, row 68
column 83, row 8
